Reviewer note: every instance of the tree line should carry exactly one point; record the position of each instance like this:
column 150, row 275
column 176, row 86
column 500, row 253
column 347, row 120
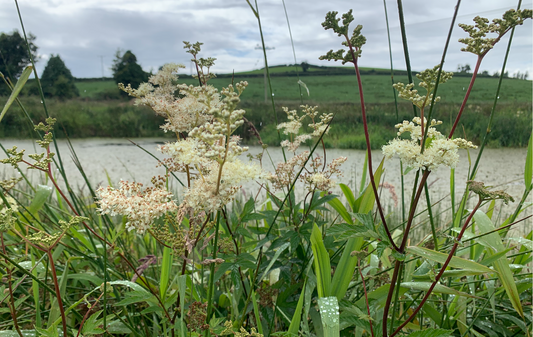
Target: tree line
column 56, row 80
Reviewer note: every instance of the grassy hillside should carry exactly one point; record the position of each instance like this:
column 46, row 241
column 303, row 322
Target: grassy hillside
column 343, row 88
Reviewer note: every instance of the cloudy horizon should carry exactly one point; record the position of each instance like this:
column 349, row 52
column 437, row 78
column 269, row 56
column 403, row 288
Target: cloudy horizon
column 87, row 33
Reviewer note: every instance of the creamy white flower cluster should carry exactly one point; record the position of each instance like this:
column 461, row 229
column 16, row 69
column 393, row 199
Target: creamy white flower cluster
column 141, row 207
column 292, row 127
column 439, row 150
column 182, row 114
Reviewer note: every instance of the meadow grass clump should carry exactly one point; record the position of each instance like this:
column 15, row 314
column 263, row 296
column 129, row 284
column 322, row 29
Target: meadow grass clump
column 292, row 257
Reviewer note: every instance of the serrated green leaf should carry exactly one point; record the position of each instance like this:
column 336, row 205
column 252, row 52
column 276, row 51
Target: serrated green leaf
column 135, row 297
column 456, row 262
column 91, row 325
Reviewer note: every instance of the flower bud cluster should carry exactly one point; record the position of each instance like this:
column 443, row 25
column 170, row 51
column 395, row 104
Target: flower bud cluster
column 428, row 79
column 478, row 43
column 356, row 41
column 438, row 150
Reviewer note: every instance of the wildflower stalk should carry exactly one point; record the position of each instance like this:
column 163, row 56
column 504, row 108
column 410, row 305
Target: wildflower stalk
column 367, row 139
column 441, row 272
column 58, row 292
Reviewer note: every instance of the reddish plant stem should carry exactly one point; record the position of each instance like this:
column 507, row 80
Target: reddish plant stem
column 367, row 138
column 441, row 272
column 401, row 250
column 366, row 297
column 58, row 293
column 470, row 86
column 389, row 296
column 413, row 210
column 87, row 314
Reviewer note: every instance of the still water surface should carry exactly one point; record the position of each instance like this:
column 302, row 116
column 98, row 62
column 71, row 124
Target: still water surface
column 120, row 159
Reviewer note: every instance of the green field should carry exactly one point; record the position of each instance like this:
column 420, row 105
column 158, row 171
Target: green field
column 102, row 112
column 343, row 89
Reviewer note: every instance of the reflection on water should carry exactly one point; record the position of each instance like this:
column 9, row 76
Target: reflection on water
column 115, row 159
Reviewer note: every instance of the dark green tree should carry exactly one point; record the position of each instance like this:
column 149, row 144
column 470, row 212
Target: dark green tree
column 126, row 70
column 14, row 56
column 305, row 66
column 57, row 80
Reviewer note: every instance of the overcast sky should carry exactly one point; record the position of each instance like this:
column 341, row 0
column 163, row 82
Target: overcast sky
column 85, row 32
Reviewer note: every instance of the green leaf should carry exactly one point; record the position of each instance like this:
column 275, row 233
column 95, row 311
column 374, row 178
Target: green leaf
column 321, row 262
column 501, row 265
column 166, row 265
column 431, row 333
column 329, row 313
column 456, row 262
column 135, row 297
column 294, row 327
column 528, row 172
column 91, row 325
column 274, row 258
column 345, row 231
column 339, row 207
column 16, row 90
column 349, row 195
column 439, row 288
column 40, row 197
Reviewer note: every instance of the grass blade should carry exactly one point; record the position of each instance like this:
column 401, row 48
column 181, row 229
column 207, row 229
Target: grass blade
column 297, row 317
column 166, row 265
column 456, row 262
column 501, row 265
column 16, row 90
column 528, row 172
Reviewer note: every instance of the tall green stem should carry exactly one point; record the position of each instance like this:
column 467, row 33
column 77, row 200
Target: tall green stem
column 210, row 289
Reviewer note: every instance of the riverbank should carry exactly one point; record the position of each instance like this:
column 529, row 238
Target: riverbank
column 118, row 118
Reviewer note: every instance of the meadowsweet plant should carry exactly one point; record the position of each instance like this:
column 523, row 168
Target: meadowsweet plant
column 423, row 150
column 302, row 255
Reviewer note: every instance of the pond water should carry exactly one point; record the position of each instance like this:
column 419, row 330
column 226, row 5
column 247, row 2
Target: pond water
column 114, row 159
